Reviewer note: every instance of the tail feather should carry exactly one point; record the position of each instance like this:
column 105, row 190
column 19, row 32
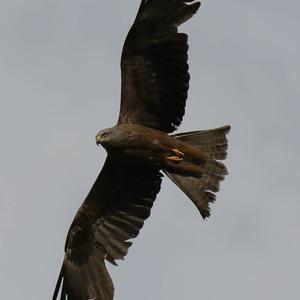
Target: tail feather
column 192, row 187
column 212, row 142
column 201, row 189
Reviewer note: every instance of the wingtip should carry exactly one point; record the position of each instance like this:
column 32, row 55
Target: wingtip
column 196, row 5
column 58, row 283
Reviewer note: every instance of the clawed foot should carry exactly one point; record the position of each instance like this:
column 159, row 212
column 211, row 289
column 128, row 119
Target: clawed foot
column 177, row 155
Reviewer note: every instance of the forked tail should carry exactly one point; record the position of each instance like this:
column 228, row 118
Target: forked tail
column 201, row 190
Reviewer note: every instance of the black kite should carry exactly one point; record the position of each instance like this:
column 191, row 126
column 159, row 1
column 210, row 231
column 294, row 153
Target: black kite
column 155, row 82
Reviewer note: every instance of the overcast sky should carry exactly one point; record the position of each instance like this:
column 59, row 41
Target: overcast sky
column 60, row 84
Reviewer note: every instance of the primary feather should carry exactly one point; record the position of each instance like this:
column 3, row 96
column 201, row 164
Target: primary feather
column 155, row 78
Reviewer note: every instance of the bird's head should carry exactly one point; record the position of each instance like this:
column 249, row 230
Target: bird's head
column 113, row 139
column 104, row 136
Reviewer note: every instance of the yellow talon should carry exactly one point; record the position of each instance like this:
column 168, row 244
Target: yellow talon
column 178, row 155
column 174, row 158
column 177, row 152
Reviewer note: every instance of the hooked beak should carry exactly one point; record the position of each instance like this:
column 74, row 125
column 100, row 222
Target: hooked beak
column 101, row 139
column 98, row 139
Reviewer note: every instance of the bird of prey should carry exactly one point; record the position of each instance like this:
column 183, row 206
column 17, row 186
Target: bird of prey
column 155, row 82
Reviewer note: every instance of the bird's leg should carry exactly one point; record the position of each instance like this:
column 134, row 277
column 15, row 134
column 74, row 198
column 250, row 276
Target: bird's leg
column 176, row 155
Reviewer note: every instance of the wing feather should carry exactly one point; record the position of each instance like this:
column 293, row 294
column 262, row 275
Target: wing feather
column 155, row 78
column 113, row 213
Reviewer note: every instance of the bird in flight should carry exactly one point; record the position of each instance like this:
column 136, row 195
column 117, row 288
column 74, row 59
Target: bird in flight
column 155, row 82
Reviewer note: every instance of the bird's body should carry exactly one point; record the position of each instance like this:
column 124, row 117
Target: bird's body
column 152, row 147
column 155, row 82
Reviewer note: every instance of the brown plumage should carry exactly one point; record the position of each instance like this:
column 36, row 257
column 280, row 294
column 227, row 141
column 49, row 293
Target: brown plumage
column 155, row 78
column 155, row 83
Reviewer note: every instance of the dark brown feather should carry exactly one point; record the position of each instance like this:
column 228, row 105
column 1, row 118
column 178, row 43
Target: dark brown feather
column 201, row 189
column 155, row 78
column 212, row 142
column 113, row 212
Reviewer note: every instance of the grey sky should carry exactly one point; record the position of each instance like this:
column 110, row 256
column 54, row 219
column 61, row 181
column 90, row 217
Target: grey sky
column 59, row 84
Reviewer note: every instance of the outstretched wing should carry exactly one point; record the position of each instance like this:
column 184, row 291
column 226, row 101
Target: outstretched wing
column 155, row 78
column 113, row 212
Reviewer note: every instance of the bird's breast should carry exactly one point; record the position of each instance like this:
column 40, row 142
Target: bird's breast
column 141, row 143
